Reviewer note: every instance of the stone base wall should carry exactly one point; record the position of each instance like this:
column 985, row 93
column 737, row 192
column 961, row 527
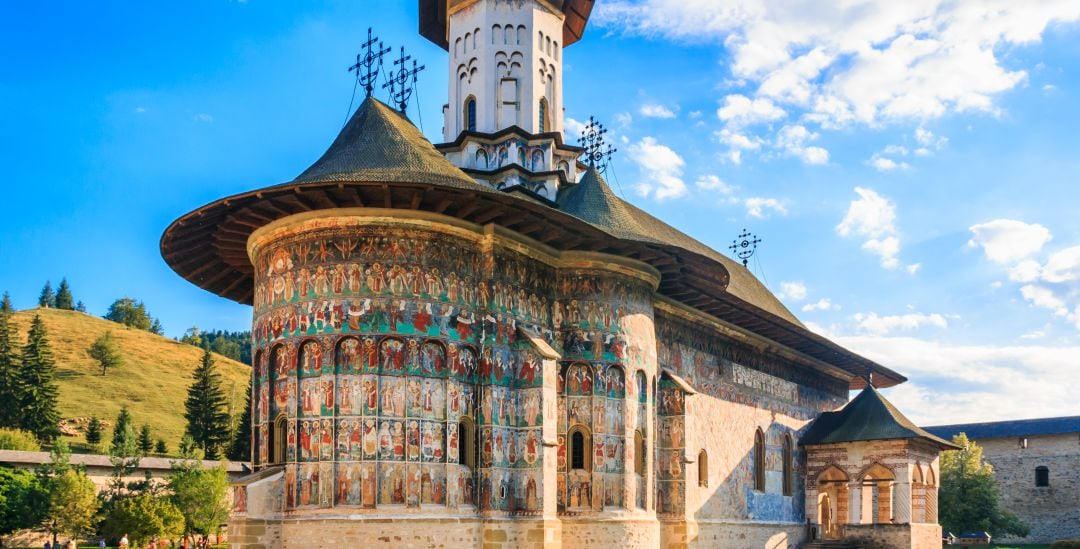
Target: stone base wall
column 894, row 536
column 592, row 533
column 744, row 535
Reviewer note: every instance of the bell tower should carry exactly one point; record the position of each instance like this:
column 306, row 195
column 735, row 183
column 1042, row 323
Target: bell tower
column 503, row 121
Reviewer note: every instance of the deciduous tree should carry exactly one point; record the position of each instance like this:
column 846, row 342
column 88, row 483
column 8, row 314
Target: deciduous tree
column 36, row 388
column 208, row 420
column 24, row 500
column 142, row 518
column 73, row 503
column 105, row 351
column 200, row 494
column 129, row 312
column 968, row 500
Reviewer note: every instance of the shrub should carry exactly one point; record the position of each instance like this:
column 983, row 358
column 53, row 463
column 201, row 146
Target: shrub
column 17, row 439
column 1066, row 544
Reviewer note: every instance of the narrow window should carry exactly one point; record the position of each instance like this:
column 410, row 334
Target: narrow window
column 703, row 469
column 639, row 454
column 577, row 450
column 1042, row 476
column 543, row 115
column 788, row 458
column 470, row 114
column 467, row 446
column 759, row 461
column 279, row 440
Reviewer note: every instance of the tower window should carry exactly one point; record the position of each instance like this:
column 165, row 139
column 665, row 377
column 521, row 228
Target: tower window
column 470, row 114
column 1042, row 476
column 703, row 469
column 759, row 461
column 278, row 440
column 639, row 454
column 788, row 458
column 466, row 444
column 543, row 115
column 579, row 448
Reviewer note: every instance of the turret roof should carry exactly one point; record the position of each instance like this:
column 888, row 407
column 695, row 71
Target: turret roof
column 869, row 416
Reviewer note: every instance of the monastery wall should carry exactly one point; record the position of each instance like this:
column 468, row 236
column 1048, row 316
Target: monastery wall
column 1052, row 512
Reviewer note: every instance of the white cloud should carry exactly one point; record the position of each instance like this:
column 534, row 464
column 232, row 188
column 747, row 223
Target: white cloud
column 203, row 117
column 1043, row 297
column 655, row 110
column 760, row 207
column 1008, row 240
column 872, row 323
column 1027, row 270
column 873, row 217
column 927, row 139
column 794, row 138
column 139, row 110
column 953, row 383
column 574, row 128
column 795, row 291
column 1063, row 266
column 913, row 268
column 823, row 304
column 662, row 167
column 714, row 183
column 623, row 120
column 886, row 164
column 741, row 110
column 860, row 61
column 886, row 249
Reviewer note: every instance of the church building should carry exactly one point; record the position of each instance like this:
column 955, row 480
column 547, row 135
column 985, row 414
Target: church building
column 478, row 343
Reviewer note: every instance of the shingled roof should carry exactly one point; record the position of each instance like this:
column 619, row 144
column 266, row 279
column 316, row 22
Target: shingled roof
column 1013, row 428
column 869, row 416
column 593, row 200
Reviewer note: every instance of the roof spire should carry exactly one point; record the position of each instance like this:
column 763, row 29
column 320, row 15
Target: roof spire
column 597, row 150
column 744, row 246
column 369, row 64
column 402, row 80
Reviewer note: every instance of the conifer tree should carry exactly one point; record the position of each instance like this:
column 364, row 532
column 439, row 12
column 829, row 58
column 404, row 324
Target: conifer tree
column 161, row 447
column 208, row 422
column 122, row 429
column 9, row 363
column 93, row 431
column 146, row 443
column 157, row 328
column 80, row 306
column 64, row 299
column 36, row 387
column 47, row 299
column 240, row 449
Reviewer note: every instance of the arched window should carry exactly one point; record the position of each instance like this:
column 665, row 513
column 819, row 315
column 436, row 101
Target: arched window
column 543, row 115
column 540, row 42
column 466, row 443
column 470, row 114
column 494, row 32
column 520, row 34
column 759, row 461
column 564, row 167
column 278, row 440
column 1042, row 476
column 481, row 159
column 703, row 469
column 639, row 453
column 465, row 48
column 788, row 458
column 580, row 443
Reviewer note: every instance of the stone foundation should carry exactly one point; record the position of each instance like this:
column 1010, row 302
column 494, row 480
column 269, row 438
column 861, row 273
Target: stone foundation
column 915, row 536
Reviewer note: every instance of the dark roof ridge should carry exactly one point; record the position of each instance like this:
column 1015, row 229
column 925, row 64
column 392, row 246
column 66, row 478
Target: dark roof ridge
column 868, row 416
column 1010, row 428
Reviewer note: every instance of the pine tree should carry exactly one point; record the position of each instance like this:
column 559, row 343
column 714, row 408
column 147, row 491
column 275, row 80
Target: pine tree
column 9, row 364
column 64, row 299
column 93, row 431
column 47, row 298
column 240, row 450
column 208, row 422
column 105, row 352
column 146, row 443
column 161, row 447
column 36, row 389
column 80, row 306
column 122, row 428
column 157, row 328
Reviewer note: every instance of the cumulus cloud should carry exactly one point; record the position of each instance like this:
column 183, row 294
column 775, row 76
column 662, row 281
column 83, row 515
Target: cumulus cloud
column 873, row 218
column 1063, row 266
column 855, row 62
column 761, row 207
column 793, row 139
column 872, row 323
column 203, row 117
column 715, row 184
column 886, row 164
column 662, row 168
column 741, row 110
column 795, row 291
column 823, row 304
column 655, row 110
column 574, row 128
column 1008, row 240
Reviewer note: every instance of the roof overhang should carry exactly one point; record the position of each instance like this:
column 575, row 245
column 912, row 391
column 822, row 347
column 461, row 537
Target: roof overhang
column 434, row 19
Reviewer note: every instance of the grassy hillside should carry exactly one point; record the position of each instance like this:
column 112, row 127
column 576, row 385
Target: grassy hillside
column 152, row 381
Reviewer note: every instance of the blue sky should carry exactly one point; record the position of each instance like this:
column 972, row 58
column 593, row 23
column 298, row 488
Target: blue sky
column 911, row 169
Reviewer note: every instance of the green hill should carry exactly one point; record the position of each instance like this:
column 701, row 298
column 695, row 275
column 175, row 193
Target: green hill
column 152, row 381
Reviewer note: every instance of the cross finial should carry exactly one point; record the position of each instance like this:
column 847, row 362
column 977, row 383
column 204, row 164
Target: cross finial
column 369, row 64
column 744, row 246
column 402, row 80
column 597, row 149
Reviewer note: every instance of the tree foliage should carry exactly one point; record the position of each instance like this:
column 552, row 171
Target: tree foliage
column 160, row 447
column 93, row 431
column 17, row 439
column 36, row 389
column 9, row 364
column 968, row 500
column 146, row 441
column 64, row 299
column 208, row 421
column 123, row 429
column 240, row 449
column 132, row 313
column 105, row 351
column 24, row 500
column 200, row 494
column 143, row 517
column 47, row 299
column 73, row 504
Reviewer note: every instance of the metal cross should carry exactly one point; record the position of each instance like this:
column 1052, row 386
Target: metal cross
column 597, row 149
column 744, row 246
column 369, row 64
column 402, row 80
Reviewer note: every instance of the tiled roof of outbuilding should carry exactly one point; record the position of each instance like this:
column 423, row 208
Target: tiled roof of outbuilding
column 869, row 416
column 1014, row 428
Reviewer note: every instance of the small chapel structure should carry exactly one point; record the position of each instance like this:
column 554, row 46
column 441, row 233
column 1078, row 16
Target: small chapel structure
column 478, row 343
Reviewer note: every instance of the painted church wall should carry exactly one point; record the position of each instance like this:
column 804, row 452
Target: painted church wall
column 739, row 390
